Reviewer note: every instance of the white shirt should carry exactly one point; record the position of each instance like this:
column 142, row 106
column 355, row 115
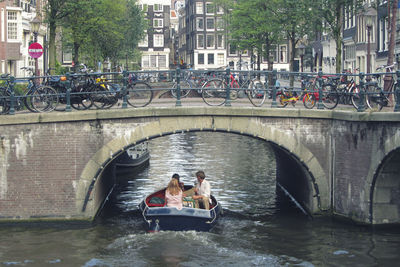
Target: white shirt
column 204, row 189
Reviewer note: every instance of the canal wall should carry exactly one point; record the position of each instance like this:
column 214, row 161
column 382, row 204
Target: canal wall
column 55, row 166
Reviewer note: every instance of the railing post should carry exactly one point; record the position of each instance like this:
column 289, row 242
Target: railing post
column 178, row 102
column 124, row 89
column 320, row 93
column 68, row 93
column 228, row 88
column 397, row 92
column 12, row 95
column 274, row 104
column 361, row 103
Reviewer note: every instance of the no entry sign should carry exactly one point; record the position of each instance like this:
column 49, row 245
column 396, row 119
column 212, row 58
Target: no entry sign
column 35, row 50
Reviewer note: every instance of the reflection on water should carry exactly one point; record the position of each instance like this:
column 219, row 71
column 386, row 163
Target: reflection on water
column 252, row 231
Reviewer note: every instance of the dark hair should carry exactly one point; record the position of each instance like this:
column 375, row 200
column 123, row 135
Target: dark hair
column 176, row 176
column 200, row 174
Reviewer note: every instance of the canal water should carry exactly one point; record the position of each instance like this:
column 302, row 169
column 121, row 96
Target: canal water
column 255, row 230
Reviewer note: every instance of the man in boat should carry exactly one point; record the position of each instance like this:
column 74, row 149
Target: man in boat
column 202, row 191
column 176, row 176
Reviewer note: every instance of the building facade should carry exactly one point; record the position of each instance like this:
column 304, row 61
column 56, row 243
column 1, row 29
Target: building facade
column 156, row 45
column 16, row 35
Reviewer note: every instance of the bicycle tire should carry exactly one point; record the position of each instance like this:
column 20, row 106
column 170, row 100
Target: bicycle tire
column 139, row 94
column 28, row 100
column 44, row 99
column 282, row 101
column 83, row 100
column 355, row 96
column 4, row 105
column 309, row 100
column 214, row 92
column 98, row 96
column 256, row 93
column 330, row 97
column 374, row 97
column 184, row 92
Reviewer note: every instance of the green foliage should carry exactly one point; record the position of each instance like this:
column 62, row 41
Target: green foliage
column 97, row 30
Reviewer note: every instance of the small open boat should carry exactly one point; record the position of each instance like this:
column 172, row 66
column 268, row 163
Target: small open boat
column 134, row 156
column 158, row 216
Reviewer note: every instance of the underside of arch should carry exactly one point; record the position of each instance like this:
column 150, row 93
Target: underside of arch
column 90, row 194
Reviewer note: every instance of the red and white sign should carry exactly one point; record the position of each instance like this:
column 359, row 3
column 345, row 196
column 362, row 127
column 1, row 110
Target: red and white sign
column 35, row 50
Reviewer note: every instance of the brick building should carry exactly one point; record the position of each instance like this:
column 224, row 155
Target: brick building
column 16, row 35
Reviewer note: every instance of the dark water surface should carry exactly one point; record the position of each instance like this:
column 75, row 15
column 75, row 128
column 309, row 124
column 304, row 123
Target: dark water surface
column 254, row 230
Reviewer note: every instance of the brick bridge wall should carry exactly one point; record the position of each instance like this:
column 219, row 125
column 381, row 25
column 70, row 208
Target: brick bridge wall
column 54, row 166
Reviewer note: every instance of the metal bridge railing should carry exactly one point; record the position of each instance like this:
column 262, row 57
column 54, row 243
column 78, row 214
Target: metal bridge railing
column 264, row 89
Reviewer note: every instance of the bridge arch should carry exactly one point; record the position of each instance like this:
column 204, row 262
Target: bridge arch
column 288, row 150
column 385, row 184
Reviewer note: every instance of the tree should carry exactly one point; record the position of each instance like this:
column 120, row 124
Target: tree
column 298, row 21
column 54, row 12
column 331, row 16
column 102, row 29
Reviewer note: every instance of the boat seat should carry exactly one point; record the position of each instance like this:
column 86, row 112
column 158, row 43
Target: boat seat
column 156, row 201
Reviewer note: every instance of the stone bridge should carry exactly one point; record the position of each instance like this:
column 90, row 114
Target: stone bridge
column 55, row 166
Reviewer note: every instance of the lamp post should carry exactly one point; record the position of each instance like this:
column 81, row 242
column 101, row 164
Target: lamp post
column 35, row 25
column 368, row 23
column 302, row 50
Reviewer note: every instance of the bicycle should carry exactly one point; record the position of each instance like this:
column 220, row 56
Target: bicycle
column 376, row 96
column 106, row 94
column 290, row 96
column 214, row 91
column 329, row 97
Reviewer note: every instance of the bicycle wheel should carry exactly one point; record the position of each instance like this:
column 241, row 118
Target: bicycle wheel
column 355, row 96
column 98, row 96
column 139, row 94
column 4, row 101
column 44, row 99
column 256, row 93
column 185, row 88
column 214, row 92
column 330, row 97
column 309, row 100
column 283, row 100
column 81, row 99
column 374, row 98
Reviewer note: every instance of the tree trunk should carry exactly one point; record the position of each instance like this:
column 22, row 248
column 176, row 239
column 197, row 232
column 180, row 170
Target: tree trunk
column 392, row 42
column 76, row 56
column 52, row 47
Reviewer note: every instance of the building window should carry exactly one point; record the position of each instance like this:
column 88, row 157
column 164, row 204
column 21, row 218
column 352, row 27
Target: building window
column 144, row 7
column 210, row 8
column 221, row 59
column 200, row 41
column 144, row 42
column 210, row 41
column 210, row 24
column 199, row 7
column 200, row 59
column 162, row 61
column 210, row 59
column 220, row 24
column 158, row 40
column 158, row 8
column 157, row 23
column 282, row 54
column 12, row 27
column 220, row 41
column 145, row 61
column 232, row 49
column 200, row 24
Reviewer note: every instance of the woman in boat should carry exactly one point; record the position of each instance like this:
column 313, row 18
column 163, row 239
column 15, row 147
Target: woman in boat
column 174, row 194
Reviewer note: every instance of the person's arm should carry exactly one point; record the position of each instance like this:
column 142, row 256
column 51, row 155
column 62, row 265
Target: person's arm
column 207, row 190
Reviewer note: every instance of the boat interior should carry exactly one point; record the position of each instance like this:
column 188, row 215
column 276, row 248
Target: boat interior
column 157, row 199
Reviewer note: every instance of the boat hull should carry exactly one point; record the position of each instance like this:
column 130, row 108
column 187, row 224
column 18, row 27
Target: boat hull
column 172, row 219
